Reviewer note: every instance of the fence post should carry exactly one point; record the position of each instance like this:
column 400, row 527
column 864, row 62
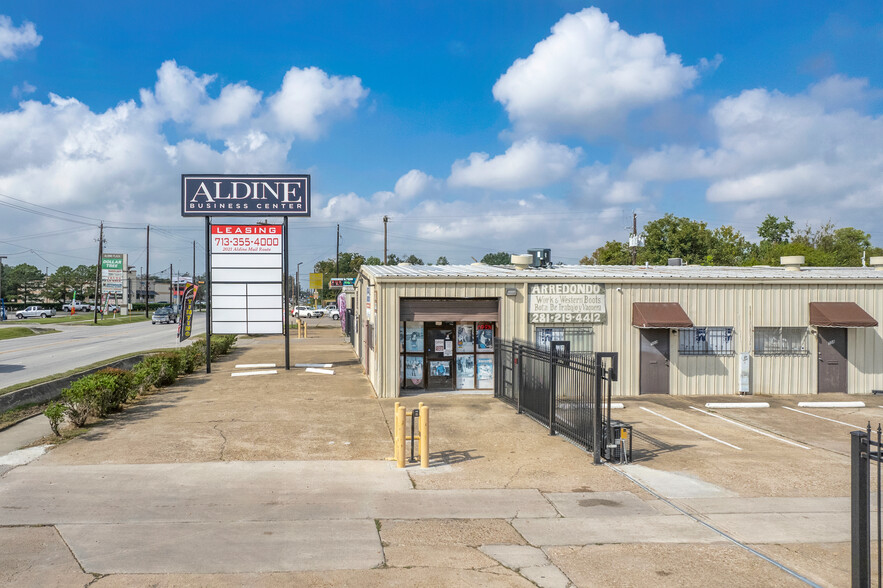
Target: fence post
column 518, row 379
column 424, row 436
column 597, row 414
column 401, row 432
column 552, row 387
column 860, row 509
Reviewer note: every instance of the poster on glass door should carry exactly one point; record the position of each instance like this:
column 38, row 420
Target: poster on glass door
column 465, row 372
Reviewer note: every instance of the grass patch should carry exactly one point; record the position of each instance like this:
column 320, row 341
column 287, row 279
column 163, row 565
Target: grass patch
column 16, row 332
column 85, row 318
column 79, row 369
column 15, row 415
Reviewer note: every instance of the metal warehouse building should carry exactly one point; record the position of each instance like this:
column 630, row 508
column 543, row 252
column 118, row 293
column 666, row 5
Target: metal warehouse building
column 684, row 330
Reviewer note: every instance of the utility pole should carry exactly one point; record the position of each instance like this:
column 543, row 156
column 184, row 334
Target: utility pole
column 171, row 275
column 297, row 284
column 98, row 275
column 633, row 241
column 337, row 256
column 147, row 281
column 194, row 262
column 385, row 220
column 2, row 314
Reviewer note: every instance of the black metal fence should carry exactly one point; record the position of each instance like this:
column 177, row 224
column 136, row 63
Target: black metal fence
column 866, row 449
column 349, row 325
column 568, row 392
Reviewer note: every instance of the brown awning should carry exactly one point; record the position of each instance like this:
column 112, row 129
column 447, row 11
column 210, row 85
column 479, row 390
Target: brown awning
column 839, row 314
column 449, row 309
column 648, row 315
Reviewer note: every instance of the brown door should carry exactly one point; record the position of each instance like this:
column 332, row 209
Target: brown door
column 832, row 360
column 439, row 341
column 654, row 361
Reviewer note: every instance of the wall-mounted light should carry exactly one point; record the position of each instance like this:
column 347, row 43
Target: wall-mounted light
column 511, row 292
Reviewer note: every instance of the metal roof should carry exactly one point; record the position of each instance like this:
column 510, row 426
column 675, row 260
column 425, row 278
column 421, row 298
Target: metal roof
column 619, row 272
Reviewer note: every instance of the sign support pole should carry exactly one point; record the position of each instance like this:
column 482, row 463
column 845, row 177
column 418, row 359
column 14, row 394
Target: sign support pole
column 286, row 291
column 208, row 295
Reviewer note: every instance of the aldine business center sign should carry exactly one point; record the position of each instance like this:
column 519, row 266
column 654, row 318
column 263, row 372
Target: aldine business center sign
column 245, row 195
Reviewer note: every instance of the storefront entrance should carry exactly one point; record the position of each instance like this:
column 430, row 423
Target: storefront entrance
column 439, row 339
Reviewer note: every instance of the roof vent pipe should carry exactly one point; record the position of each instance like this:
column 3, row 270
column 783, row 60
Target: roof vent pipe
column 522, row 261
column 877, row 262
column 792, row 263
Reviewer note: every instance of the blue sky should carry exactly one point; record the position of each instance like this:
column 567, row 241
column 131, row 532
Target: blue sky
column 476, row 126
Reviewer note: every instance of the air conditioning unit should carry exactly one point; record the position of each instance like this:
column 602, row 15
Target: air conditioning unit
column 541, row 257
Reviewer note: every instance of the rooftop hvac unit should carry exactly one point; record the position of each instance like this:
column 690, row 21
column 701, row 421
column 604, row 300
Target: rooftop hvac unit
column 675, row 261
column 541, row 257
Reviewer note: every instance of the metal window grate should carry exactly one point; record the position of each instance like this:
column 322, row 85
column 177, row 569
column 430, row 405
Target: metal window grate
column 780, row 341
column 706, row 341
column 580, row 338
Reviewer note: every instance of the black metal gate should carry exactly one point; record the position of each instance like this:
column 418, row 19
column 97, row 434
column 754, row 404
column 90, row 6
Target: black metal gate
column 866, row 446
column 566, row 391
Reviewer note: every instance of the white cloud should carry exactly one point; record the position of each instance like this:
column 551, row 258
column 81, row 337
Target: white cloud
column 15, row 40
column 309, row 96
column 414, row 183
column 529, row 163
column 23, row 89
column 587, row 75
column 811, row 152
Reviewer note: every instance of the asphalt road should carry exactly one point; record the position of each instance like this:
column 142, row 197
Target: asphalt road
column 30, row 358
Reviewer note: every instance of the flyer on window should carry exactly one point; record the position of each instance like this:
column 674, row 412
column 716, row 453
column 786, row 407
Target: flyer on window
column 414, row 337
column 414, row 371
column 465, row 338
column 485, row 366
column 485, row 337
column 465, row 372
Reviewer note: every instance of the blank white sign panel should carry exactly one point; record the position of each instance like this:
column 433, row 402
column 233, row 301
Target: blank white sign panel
column 228, row 290
column 247, row 275
column 244, row 261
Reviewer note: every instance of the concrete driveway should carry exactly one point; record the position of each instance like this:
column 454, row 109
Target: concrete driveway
column 283, row 479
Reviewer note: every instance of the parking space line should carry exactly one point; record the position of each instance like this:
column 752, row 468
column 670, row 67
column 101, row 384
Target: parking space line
column 691, row 429
column 823, row 418
column 764, row 433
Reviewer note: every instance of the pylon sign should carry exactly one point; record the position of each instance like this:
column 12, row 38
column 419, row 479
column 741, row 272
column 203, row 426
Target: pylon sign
column 247, row 282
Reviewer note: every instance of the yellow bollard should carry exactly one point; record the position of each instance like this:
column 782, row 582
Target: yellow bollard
column 424, row 436
column 400, row 436
column 395, row 431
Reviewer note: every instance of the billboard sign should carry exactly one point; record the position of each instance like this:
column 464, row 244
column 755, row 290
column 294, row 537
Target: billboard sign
column 316, row 281
column 113, row 273
column 566, row 303
column 245, row 195
column 341, row 282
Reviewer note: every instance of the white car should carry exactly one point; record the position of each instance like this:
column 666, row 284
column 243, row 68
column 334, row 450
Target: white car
column 304, row 312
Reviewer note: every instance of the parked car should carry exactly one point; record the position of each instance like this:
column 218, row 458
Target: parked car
column 304, row 312
column 333, row 313
column 166, row 314
column 35, row 311
column 78, row 307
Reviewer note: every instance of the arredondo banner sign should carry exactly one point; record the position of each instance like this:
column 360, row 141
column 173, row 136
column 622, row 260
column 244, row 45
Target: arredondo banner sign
column 566, row 303
column 245, row 195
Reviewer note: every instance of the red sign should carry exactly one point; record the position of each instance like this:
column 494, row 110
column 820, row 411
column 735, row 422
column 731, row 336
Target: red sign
column 246, row 238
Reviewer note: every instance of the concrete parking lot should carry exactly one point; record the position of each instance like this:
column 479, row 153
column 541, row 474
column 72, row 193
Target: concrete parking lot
column 283, row 479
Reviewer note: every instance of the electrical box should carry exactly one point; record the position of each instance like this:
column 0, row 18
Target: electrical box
column 744, row 373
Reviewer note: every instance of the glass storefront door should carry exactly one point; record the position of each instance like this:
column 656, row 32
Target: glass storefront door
column 439, row 345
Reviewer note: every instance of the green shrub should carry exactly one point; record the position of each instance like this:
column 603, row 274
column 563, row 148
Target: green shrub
column 221, row 345
column 82, row 399
column 155, row 371
column 191, row 357
column 120, row 387
column 55, row 413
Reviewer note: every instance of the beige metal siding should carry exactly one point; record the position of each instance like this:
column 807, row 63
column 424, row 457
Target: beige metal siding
column 740, row 305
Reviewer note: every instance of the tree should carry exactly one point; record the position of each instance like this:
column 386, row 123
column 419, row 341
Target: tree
column 21, row 281
column 393, row 259
column 373, row 260
column 61, row 284
column 348, row 265
column 442, row 261
column 611, row 253
column 499, row 258
column 773, row 231
column 85, row 281
column 672, row 236
column 728, row 247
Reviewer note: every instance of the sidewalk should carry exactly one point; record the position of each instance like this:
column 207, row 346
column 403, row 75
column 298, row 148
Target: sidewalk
column 282, row 480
